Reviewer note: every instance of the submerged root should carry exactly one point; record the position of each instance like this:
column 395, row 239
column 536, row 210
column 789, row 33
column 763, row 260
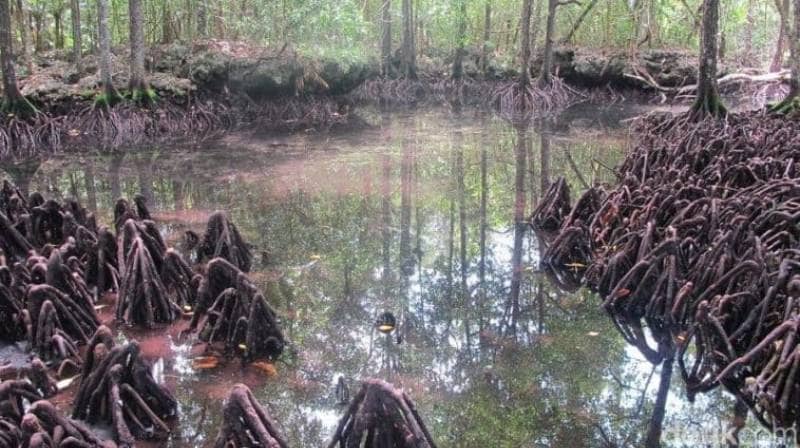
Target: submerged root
column 246, row 423
column 118, row 389
column 698, row 244
column 381, row 415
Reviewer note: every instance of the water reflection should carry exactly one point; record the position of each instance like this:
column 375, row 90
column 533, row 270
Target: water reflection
column 422, row 216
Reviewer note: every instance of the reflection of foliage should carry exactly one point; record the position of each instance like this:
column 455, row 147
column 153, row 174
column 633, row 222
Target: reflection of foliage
column 324, row 220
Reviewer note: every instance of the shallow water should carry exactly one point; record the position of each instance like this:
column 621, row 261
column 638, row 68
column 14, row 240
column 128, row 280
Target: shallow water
column 415, row 216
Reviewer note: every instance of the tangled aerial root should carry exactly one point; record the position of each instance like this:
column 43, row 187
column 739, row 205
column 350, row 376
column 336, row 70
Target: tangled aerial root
column 516, row 101
column 381, row 416
column 246, row 423
column 699, row 244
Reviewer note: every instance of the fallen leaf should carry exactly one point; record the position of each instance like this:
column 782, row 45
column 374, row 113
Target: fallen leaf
column 65, row 383
column 266, row 367
column 73, row 132
column 205, row 362
column 593, row 334
column 315, row 257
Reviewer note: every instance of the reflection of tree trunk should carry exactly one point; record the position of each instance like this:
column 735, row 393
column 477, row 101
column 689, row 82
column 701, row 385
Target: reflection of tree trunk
column 653, row 439
column 113, row 170
column 520, row 166
column 386, row 222
column 406, row 262
column 178, row 194
column 91, row 190
column 145, row 179
column 544, row 156
column 465, row 301
column 21, row 175
column 482, row 237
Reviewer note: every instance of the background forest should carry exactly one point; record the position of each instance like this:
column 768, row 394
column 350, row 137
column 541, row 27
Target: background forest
column 351, row 30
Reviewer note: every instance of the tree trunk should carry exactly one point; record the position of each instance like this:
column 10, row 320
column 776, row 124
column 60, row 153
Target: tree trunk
column 749, row 25
column 708, row 101
column 547, row 58
column 77, row 39
column 487, row 35
column 409, row 60
column 777, row 58
column 14, row 102
column 25, row 36
column 792, row 101
column 59, row 29
column 202, row 18
column 653, row 438
column 525, row 52
column 461, row 36
column 138, row 82
column 110, row 94
column 38, row 25
column 580, row 20
column 386, row 38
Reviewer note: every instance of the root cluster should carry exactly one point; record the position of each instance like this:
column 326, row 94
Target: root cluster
column 117, row 389
column 698, row 246
column 246, row 423
column 381, row 416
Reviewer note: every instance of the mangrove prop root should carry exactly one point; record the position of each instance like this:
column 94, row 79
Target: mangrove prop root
column 222, row 239
column 246, row 423
column 233, row 312
column 117, row 389
column 698, row 243
column 384, row 416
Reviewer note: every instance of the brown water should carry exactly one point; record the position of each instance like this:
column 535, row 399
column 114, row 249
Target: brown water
column 415, row 216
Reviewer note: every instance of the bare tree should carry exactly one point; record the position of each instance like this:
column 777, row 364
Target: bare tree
column 409, row 60
column 525, row 52
column 487, row 35
column 461, row 37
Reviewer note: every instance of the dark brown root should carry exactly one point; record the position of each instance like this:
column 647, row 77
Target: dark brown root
column 231, row 311
column 222, row 240
column 381, row 415
column 117, row 389
column 246, row 423
column 697, row 246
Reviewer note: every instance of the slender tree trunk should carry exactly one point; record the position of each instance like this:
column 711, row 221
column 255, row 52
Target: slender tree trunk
column 111, row 95
column 202, row 18
column 749, row 26
column 138, row 82
column 653, row 438
column 792, row 101
column 487, row 36
column 780, row 45
column 59, row 29
column 38, row 25
column 77, row 38
column 461, row 35
column 25, row 36
column 545, row 78
column 386, row 38
column 708, row 101
column 409, row 56
column 580, row 20
column 525, row 52
column 14, row 102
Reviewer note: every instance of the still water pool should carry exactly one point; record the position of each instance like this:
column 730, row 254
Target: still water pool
column 421, row 215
